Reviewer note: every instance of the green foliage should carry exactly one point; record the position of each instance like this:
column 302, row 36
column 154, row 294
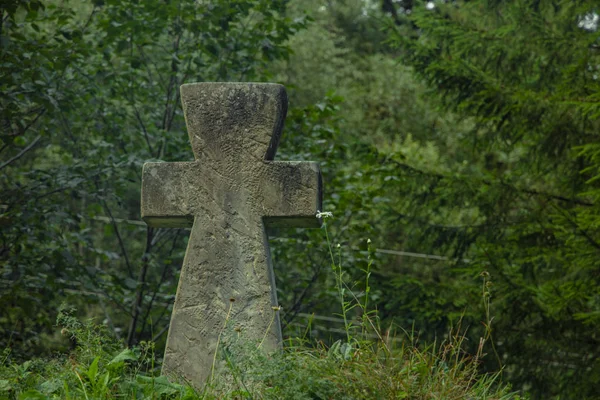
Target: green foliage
column 359, row 368
column 461, row 148
column 90, row 92
column 344, row 371
column 98, row 367
column 486, row 170
column 524, row 74
column 373, row 143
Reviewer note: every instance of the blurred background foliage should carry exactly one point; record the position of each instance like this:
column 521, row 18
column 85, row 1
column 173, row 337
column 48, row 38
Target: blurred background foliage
column 460, row 137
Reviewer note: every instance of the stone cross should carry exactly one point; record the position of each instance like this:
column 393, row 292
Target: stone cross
column 229, row 195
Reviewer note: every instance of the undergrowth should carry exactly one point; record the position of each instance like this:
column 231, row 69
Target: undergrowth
column 354, row 368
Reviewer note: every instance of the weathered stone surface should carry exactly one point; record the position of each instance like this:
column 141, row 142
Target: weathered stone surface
column 228, row 195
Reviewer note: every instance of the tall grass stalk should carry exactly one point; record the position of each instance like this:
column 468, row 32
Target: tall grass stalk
column 486, row 294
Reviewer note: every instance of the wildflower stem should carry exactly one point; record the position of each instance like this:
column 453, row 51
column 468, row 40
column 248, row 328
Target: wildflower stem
column 275, row 309
column 339, row 281
column 82, row 385
column 341, row 291
column 367, row 288
column 329, row 245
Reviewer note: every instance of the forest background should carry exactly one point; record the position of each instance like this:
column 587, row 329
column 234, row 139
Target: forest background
column 460, row 137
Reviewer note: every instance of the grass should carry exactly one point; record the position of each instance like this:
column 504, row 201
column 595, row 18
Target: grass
column 99, row 369
column 355, row 368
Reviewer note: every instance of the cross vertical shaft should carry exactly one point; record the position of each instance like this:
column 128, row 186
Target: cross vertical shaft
column 228, row 195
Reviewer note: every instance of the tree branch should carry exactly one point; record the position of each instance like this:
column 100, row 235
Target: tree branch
column 3, row 148
column 139, row 118
column 119, row 238
column 163, row 277
column 22, row 152
column 488, row 182
column 295, row 309
column 161, row 332
column 173, row 80
column 139, row 298
column 575, row 225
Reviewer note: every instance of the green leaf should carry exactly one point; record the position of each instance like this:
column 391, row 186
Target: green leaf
column 5, row 385
column 125, row 355
column 32, row 394
column 346, row 351
column 92, row 371
column 51, row 386
column 160, row 385
column 19, row 141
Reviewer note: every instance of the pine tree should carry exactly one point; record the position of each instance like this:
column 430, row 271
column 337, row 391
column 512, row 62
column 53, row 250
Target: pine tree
column 526, row 75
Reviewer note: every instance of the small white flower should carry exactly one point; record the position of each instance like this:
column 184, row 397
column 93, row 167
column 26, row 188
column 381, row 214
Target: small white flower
column 339, row 245
column 324, row 214
column 589, row 22
column 368, row 240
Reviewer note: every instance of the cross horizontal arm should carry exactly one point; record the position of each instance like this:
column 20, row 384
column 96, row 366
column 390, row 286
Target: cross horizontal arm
column 169, row 194
column 292, row 194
